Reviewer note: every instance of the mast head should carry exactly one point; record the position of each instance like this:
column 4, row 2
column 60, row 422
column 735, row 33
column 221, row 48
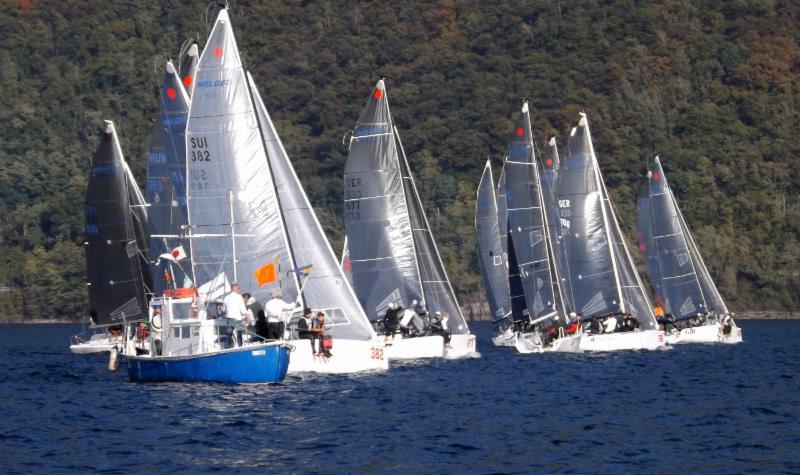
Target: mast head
column 109, row 127
column 193, row 51
column 525, row 107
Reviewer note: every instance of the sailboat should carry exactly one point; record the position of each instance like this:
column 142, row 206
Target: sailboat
column 393, row 255
column 326, row 288
column 683, row 285
column 604, row 286
column 494, row 271
column 116, row 250
column 166, row 187
column 544, row 328
column 188, row 61
column 237, row 233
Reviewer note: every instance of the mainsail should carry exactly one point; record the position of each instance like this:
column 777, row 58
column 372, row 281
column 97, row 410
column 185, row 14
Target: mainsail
column 325, row 288
column 382, row 252
column 237, row 229
column 673, row 263
column 519, row 310
column 490, row 251
column 602, row 276
column 527, row 222
column 116, row 252
column 166, row 183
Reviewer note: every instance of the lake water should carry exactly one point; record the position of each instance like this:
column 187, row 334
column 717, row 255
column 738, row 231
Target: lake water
column 694, row 408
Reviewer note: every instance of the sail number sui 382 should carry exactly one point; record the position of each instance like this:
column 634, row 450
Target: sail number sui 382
column 199, row 153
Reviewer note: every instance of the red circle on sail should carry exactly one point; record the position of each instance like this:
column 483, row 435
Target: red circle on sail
column 549, row 162
column 520, row 131
column 656, row 176
column 378, row 94
column 218, row 52
column 176, row 253
column 171, row 93
column 187, row 81
column 642, row 247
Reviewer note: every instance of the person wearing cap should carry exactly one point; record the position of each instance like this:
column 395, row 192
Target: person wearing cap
column 439, row 326
column 278, row 312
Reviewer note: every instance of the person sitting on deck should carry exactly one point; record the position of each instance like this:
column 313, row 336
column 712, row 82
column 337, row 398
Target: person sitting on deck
column 573, row 324
column 439, row 327
column 390, row 320
column 610, row 324
column 629, row 323
column 304, row 329
column 320, row 325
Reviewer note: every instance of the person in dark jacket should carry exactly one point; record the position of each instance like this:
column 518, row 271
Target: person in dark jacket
column 262, row 329
column 391, row 319
column 304, row 329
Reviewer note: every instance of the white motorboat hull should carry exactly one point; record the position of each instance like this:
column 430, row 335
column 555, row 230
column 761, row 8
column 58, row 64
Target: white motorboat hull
column 567, row 344
column 91, row 347
column 462, row 346
column 507, row 338
column 635, row 340
column 349, row 356
column 401, row 348
column 711, row 333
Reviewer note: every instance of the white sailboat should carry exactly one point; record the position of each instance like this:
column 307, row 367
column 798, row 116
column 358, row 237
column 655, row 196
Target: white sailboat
column 601, row 281
column 544, row 328
column 393, row 255
column 326, row 288
column 683, row 286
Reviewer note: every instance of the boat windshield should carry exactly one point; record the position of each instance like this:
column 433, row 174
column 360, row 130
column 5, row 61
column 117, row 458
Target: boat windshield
column 181, row 310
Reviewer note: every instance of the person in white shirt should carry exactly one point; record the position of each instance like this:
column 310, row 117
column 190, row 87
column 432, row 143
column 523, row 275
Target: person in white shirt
column 235, row 308
column 278, row 314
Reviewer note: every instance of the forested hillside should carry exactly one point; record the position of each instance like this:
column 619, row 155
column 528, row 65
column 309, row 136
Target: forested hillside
column 712, row 87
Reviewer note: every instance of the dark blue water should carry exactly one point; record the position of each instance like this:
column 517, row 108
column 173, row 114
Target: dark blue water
column 709, row 408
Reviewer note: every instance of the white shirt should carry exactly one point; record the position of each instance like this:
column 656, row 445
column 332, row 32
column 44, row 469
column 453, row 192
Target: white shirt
column 407, row 316
column 234, row 306
column 610, row 325
column 277, row 310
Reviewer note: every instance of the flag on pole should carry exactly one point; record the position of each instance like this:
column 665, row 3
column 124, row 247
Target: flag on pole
column 176, row 255
column 305, row 270
column 266, row 274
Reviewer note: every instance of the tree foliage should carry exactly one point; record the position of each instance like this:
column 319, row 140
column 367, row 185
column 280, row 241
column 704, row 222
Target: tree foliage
column 712, row 87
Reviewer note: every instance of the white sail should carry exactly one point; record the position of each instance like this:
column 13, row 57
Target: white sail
column 326, row 287
column 234, row 213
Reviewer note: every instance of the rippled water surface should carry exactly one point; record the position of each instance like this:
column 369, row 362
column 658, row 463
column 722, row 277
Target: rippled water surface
column 694, row 408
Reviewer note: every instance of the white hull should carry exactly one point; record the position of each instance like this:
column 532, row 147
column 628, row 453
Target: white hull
column 507, row 338
column 349, row 356
column 401, row 348
column 91, row 347
column 705, row 334
column 462, row 346
column 526, row 344
column 635, row 340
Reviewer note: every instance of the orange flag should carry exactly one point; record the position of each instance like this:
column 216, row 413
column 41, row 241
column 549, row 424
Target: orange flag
column 266, row 274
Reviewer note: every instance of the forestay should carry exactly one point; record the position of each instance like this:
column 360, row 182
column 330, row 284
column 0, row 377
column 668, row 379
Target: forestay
column 166, row 182
column 526, row 220
column 233, row 208
column 116, row 253
column 382, row 254
column 325, row 288
column 490, row 252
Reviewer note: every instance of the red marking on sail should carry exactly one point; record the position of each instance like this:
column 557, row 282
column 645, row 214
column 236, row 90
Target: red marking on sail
column 218, row 52
column 656, row 176
column 171, row 93
column 549, row 162
column 187, row 81
column 520, row 131
column 642, row 247
column 377, row 94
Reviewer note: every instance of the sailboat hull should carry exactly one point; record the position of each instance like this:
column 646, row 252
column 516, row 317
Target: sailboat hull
column 413, row 348
column 462, row 346
column 635, row 340
column 705, row 334
column 95, row 345
column 526, row 344
column 349, row 356
column 262, row 363
column 507, row 338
